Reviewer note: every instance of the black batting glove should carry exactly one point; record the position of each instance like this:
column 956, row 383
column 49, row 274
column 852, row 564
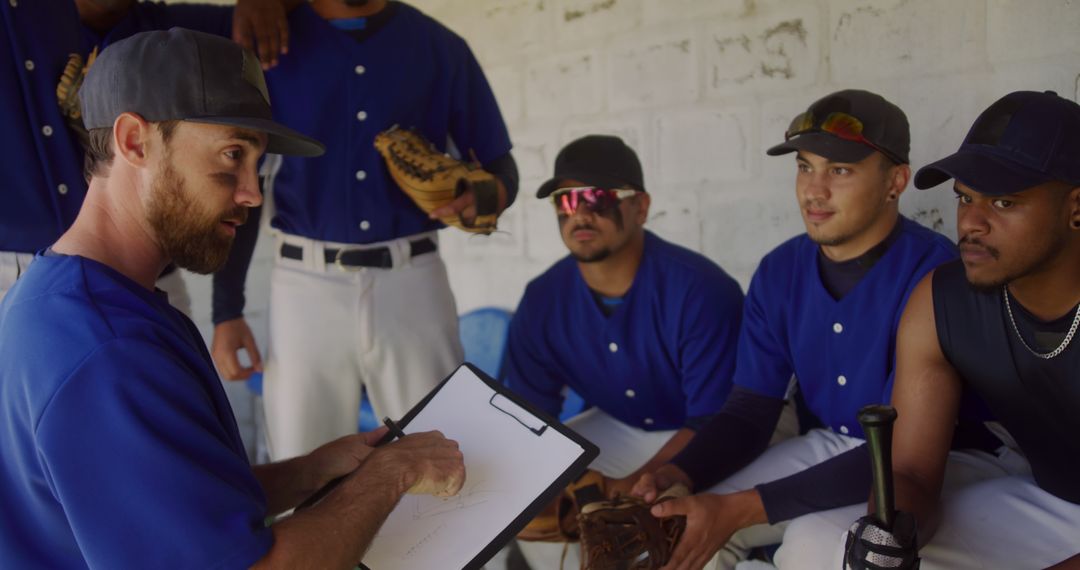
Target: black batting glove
column 870, row 547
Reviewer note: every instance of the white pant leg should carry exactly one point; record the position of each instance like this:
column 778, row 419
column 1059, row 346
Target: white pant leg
column 1003, row 520
column 311, row 380
column 810, row 541
column 12, row 265
column 174, row 286
column 623, row 449
column 785, row 458
column 415, row 344
column 333, row 331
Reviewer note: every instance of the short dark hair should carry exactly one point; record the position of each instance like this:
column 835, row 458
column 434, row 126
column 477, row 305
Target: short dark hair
column 99, row 150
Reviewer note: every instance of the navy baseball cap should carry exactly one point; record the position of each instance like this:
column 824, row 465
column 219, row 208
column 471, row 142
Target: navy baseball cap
column 190, row 76
column 884, row 127
column 597, row 160
column 1024, row 139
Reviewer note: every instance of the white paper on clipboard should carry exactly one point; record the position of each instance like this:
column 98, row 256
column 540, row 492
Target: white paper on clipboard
column 511, row 457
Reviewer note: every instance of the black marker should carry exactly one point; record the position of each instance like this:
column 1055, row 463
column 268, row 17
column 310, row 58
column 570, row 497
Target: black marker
column 395, row 431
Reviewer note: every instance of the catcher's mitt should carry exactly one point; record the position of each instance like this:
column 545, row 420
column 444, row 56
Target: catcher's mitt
column 621, row 534
column 433, row 178
column 67, row 92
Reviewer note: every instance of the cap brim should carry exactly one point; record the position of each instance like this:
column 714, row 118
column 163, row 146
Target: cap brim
column 589, row 179
column 982, row 172
column 280, row 139
column 831, row 147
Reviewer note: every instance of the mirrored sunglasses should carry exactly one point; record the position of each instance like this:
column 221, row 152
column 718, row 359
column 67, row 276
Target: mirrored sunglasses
column 593, row 199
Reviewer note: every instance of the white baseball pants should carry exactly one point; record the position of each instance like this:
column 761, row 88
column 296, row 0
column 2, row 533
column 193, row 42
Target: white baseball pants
column 335, row 330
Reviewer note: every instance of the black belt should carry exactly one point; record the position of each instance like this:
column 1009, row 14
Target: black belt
column 372, row 257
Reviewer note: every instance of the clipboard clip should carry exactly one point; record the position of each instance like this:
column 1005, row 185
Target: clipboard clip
column 508, row 407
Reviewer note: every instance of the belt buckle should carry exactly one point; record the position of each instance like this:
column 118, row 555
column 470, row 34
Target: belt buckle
column 342, row 266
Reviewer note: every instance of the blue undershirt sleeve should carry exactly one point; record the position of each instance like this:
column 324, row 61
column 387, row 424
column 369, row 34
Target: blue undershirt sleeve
column 148, row 471
column 837, row 482
column 525, row 371
column 229, row 281
column 734, row 438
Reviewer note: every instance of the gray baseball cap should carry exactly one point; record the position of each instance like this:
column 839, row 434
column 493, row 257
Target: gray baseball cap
column 185, row 75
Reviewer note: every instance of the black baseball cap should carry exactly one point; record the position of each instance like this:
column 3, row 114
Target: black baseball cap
column 597, row 160
column 884, row 125
column 181, row 74
column 1024, row 139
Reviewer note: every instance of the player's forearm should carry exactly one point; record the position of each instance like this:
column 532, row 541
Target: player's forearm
column 336, row 532
column 287, row 483
column 919, row 498
column 674, row 445
column 228, row 289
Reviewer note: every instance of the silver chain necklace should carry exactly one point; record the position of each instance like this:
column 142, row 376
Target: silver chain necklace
column 1043, row 355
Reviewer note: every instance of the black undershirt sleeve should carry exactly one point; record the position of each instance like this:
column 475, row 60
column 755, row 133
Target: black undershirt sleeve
column 228, row 295
column 505, row 169
column 836, row 482
column 731, row 439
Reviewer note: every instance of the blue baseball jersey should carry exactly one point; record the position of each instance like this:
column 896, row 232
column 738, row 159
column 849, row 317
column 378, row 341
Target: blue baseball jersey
column 44, row 185
column 664, row 355
column 411, row 72
column 118, row 448
column 841, row 351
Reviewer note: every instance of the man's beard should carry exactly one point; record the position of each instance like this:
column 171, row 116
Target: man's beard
column 188, row 234
column 1033, row 264
column 355, row 3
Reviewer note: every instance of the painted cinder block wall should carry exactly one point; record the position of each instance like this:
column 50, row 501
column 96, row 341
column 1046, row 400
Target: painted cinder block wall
column 700, row 88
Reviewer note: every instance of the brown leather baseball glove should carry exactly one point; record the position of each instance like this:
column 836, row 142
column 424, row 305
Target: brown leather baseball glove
column 621, row 533
column 433, row 178
column 67, row 92
column 558, row 522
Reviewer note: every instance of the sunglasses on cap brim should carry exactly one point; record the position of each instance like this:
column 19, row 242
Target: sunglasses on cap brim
column 838, row 124
column 593, row 199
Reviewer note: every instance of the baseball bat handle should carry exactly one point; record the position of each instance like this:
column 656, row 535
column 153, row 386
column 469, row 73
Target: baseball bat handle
column 877, row 424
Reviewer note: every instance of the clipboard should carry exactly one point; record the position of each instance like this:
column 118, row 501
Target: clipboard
column 488, row 513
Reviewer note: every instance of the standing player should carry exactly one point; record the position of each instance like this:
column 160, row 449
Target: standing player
column 44, row 192
column 359, row 293
column 643, row 329
column 1003, row 322
column 823, row 307
column 119, row 450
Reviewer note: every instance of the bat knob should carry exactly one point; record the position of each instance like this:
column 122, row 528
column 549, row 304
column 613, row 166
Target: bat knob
column 876, row 415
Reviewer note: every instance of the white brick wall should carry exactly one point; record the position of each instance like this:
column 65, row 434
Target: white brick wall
column 701, row 88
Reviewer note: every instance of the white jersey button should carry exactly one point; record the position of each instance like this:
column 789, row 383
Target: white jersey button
column 630, row 393
column 365, row 225
column 837, row 328
column 841, row 380
column 14, row 3
column 361, row 116
column 359, row 69
column 360, row 175
column 649, row 421
column 613, row 347
column 843, row 430
column 62, row 189
column 46, row 130
column 29, row 65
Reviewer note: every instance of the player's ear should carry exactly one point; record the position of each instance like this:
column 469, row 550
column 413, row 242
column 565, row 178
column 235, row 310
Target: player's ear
column 898, row 177
column 643, row 203
column 131, row 135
